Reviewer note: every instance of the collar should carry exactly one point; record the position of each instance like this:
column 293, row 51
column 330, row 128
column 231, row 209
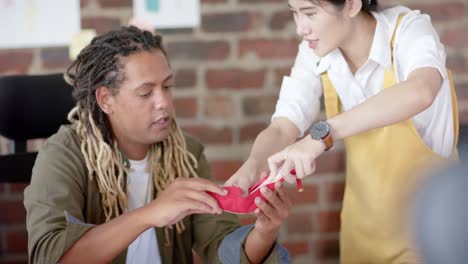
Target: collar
column 381, row 47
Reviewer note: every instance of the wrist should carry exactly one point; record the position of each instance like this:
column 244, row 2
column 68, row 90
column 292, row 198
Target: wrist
column 144, row 217
column 265, row 235
column 321, row 131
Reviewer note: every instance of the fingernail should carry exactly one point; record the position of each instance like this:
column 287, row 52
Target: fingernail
column 258, row 200
column 263, row 189
column 277, row 184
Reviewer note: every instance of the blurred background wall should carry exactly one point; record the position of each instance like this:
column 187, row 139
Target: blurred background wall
column 228, row 75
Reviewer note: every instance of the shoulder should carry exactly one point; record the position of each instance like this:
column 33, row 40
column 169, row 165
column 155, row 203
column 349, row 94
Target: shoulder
column 60, row 153
column 413, row 21
column 65, row 140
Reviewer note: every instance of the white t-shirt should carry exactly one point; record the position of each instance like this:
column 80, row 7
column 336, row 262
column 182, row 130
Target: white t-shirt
column 416, row 45
column 144, row 250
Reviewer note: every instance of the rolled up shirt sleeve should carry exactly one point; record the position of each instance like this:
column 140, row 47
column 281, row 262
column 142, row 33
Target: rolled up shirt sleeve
column 418, row 45
column 232, row 250
column 299, row 99
column 54, row 202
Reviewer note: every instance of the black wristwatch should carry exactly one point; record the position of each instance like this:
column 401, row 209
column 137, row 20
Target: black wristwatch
column 321, row 131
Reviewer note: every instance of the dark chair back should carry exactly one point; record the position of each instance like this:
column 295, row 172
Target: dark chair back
column 31, row 107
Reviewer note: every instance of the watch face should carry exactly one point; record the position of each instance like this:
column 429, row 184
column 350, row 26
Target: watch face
column 319, row 130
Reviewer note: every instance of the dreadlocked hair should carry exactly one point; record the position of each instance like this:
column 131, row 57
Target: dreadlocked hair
column 99, row 65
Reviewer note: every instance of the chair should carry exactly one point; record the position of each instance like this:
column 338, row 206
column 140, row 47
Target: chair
column 31, row 107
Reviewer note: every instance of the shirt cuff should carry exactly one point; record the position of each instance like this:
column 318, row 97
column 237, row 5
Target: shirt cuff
column 74, row 231
column 232, row 251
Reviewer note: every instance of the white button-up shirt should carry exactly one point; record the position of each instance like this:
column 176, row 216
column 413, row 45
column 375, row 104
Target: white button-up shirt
column 417, row 45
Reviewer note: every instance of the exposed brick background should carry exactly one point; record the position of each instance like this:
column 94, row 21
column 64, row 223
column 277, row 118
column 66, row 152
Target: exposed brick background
column 228, row 72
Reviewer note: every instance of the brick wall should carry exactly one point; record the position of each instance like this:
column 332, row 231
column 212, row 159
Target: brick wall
column 228, row 73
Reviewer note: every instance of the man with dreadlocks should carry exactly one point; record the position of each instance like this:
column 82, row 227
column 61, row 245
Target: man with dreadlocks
column 123, row 184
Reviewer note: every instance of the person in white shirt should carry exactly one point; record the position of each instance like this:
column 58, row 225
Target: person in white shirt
column 387, row 93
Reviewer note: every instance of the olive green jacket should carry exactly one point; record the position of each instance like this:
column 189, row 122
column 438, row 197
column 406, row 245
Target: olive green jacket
column 62, row 203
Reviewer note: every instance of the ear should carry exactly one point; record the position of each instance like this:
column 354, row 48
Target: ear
column 104, row 99
column 353, row 7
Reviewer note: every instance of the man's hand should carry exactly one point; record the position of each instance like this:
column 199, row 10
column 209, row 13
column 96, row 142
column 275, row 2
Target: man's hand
column 272, row 212
column 183, row 197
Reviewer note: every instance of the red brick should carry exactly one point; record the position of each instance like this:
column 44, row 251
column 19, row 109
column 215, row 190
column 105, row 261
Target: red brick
column 198, row 50
column 16, row 242
column 228, row 22
column 235, row 78
column 115, row 3
column 219, row 107
column 185, row 78
column 330, row 162
column 174, row 31
column 329, row 221
column 259, row 105
column 18, row 187
column 53, row 58
column 84, row 4
column 455, row 37
column 296, row 248
column 327, row 249
column 249, row 132
column 211, row 135
column 279, row 74
column 280, row 20
column 441, row 11
column 300, row 223
column 269, row 48
column 308, row 197
column 222, row 170
column 457, row 63
column 463, row 118
column 186, row 107
column 13, row 212
column 100, row 24
column 334, row 192
column 462, row 93
column 15, row 62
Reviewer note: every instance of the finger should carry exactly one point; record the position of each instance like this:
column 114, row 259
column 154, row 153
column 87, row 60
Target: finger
column 284, row 196
column 273, row 162
column 271, row 197
column 309, row 168
column 285, row 171
column 194, row 205
column 299, row 168
column 266, row 208
column 262, row 219
column 203, row 197
column 201, row 184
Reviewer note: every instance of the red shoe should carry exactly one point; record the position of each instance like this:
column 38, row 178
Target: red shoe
column 234, row 202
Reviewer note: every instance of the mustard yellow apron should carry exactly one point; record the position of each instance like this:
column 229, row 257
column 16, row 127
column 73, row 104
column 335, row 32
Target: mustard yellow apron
column 383, row 167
